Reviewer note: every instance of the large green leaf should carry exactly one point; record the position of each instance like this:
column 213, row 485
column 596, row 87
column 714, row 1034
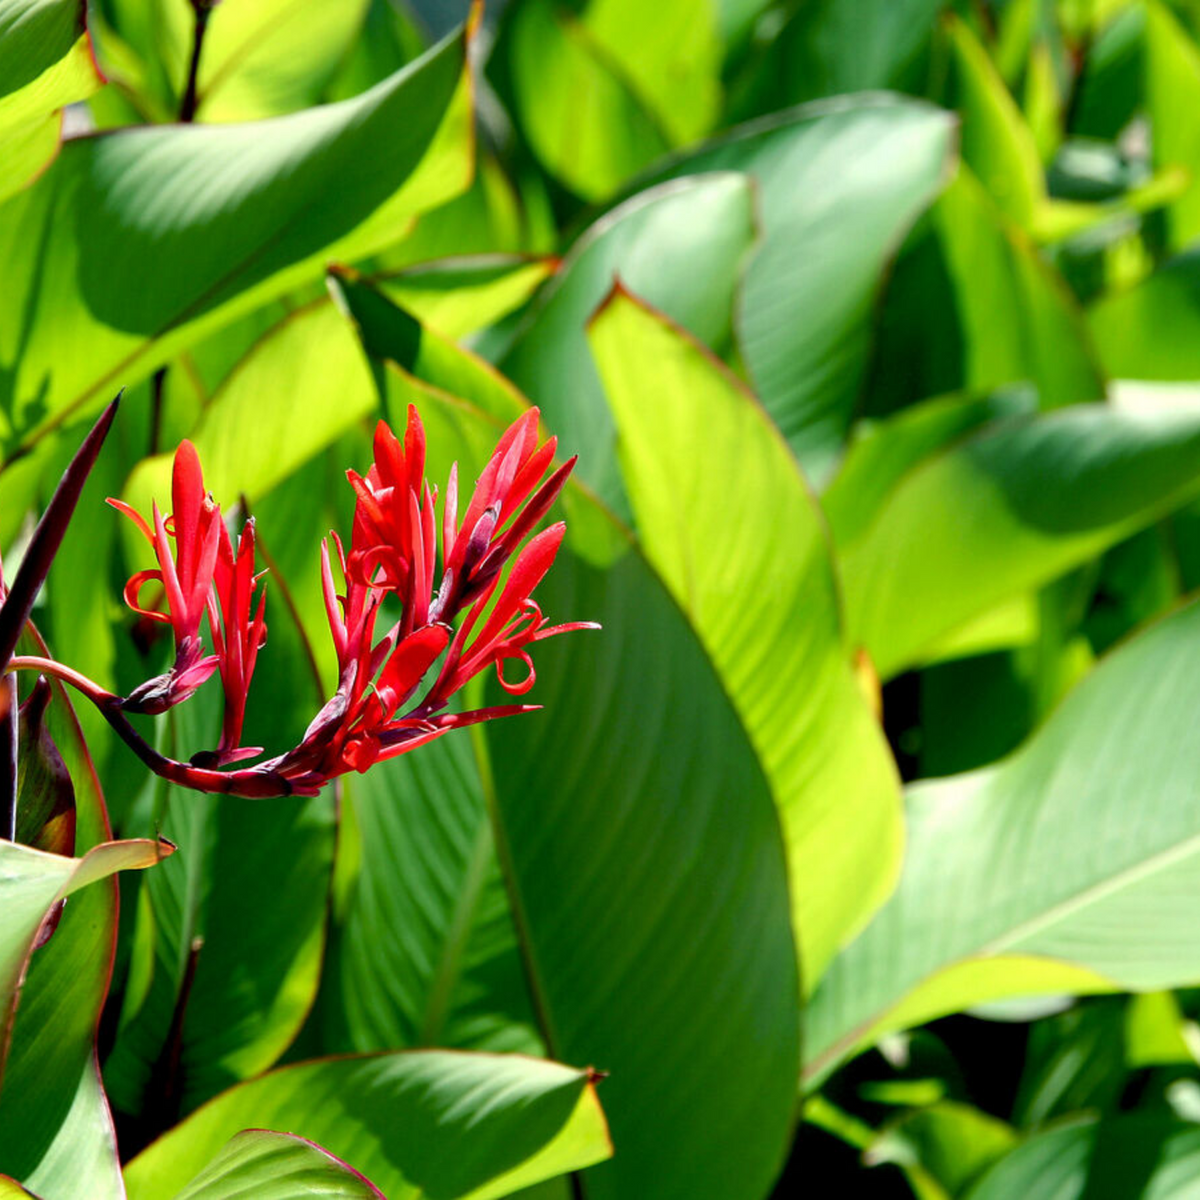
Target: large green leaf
column 1172, row 75
column 1006, row 510
column 258, row 60
column 34, row 882
column 728, row 524
column 840, row 185
column 277, row 1166
column 424, row 952
column 1069, row 867
column 56, row 1134
column 1146, row 1155
column 250, row 211
column 418, row 1124
column 996, row 142
column 649, row 886
column 972, row 306
column 831, row 47
column 233, row 929
column 1152, row 330
column 669, row 54
column 659, row 244
column 46, row 63
column 578, row 110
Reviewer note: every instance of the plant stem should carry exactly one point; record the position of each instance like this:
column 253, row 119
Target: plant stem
column 8, row 758
column 187, row 106
column 253, row 783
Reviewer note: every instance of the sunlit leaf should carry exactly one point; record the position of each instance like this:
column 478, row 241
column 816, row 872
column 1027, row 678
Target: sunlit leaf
column 748, row 562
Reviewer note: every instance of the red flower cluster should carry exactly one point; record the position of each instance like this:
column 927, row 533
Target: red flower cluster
column 393, row 554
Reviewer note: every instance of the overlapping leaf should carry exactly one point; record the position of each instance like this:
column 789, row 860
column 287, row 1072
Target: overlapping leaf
column 749, row 563
column 417, row 1124
column 1049, row 872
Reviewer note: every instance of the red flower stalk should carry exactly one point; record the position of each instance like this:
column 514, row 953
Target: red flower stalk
column 393, row 552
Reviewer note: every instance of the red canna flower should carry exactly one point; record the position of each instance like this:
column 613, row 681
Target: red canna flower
column 186, row 576
column 393, row 550
column 393, row 553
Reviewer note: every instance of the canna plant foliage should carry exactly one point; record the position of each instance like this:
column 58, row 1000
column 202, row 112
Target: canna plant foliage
column 847, row 840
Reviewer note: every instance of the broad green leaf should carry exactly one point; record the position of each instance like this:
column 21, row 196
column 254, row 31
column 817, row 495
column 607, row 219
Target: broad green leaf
column 251, row 211
column 259, row 60
column 832, row 47
column 34, row 35
column 659, row 244
column 417, row 1124
column 389, row 333
column 647, row 871
column 1172, row 91
column 265, row 59
column 277, row 1166
column 727, row 522
column 1044, row 873
column 669, row 54
column 34, row 881
column 1151, row 331
column 996, row 142
column 56, row 1133
column 576, row 107
column 839, row 186
column 297, row 390
column 234, row 931
column 1006, row 510
column 972, row 307
column 882, row 453
column 460, row 296
column 31, row 117
column 425, row 952
column 1146, row 1155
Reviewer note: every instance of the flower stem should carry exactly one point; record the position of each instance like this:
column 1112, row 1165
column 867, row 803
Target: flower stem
column 254, row 783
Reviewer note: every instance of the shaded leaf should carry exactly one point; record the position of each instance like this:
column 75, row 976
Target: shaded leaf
column 417, row 1123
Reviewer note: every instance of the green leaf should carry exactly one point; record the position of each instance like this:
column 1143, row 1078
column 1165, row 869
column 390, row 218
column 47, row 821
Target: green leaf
column 424, row 952
column 1143, row 1154
column 1007, row 510
column 1043, row 874
column 659, row 243
column 728, row 524
column 839, row 185
column 459, row 296
column 234, row 931
column 252, row 210
column 647, row 872
column 46, row 63
column 1152, row 330
column 277, row 1166
column 832, row 47
column 34, row 882
column 996, row 142
column 972, row 307
column 575, row 105
column 56, row 1133
column 417, row 1123
column 1172, row 91
column 943, row 1148
column 669, row 54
